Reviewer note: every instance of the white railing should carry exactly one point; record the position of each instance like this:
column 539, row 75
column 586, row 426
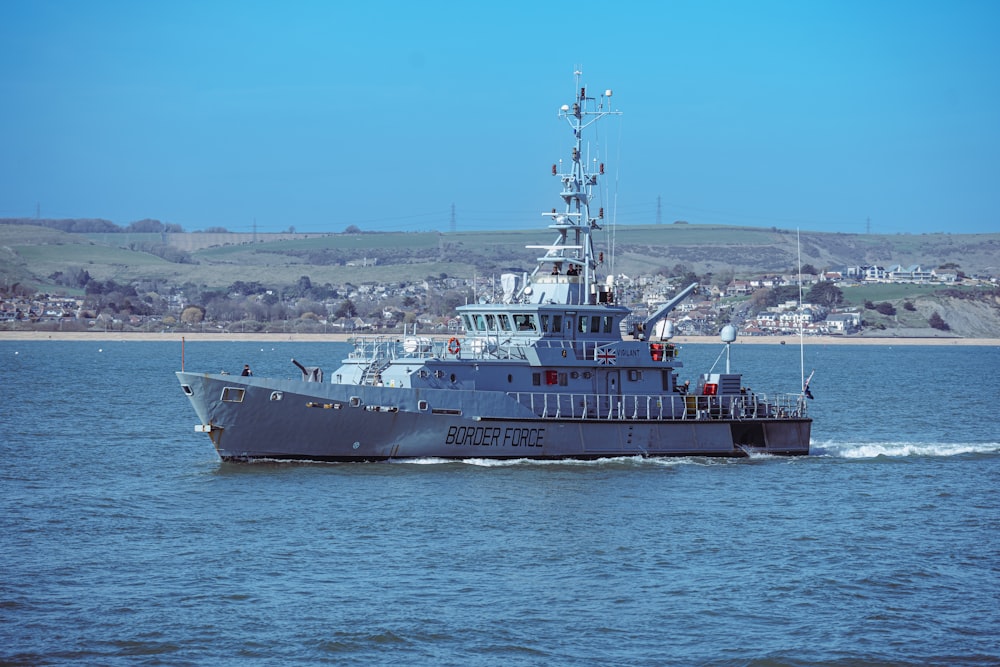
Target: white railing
column 657, row 407
column 488, row 345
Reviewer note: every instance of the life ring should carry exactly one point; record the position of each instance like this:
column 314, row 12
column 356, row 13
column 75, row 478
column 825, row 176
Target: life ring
column 454, row 347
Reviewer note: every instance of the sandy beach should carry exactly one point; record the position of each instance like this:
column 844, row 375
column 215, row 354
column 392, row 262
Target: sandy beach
column 333, row 338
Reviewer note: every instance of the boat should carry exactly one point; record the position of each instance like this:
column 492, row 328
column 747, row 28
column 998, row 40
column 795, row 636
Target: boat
column 558, row 367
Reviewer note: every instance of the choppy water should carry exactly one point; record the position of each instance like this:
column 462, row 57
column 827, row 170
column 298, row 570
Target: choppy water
column 123, row 539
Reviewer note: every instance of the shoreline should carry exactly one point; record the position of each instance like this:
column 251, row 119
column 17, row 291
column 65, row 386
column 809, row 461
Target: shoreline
column 112, row 336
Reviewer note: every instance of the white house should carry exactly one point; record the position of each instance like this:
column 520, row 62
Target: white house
column 843, row 322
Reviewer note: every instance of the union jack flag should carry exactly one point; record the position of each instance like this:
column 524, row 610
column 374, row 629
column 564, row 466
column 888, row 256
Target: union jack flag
column 606, row 357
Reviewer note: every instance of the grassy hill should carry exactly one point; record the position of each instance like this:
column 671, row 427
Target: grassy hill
column 30, row 254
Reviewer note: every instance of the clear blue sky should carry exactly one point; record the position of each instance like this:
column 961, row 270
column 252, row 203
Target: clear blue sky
column 809, row 114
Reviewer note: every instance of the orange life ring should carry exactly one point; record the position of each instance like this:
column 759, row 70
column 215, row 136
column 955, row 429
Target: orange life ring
column 454, row 347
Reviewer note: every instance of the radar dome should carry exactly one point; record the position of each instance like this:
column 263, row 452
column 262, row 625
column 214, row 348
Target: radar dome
column 664, row 329
column 728, row 333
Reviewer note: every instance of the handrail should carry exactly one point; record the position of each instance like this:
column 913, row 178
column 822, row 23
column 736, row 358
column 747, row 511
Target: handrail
column 488, row 346
column 661, row 407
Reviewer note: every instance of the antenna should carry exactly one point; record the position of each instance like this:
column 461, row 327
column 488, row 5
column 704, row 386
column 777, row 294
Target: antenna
column 802, row 346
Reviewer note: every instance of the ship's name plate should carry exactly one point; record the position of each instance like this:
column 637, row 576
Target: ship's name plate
column 495, row 436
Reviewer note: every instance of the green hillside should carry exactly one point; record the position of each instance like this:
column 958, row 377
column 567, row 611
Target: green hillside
column 30, row 254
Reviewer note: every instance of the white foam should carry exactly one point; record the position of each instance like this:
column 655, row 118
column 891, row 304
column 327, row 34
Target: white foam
column 870, row 450
column 422, row 461
column 609, row 461
column 757, row 454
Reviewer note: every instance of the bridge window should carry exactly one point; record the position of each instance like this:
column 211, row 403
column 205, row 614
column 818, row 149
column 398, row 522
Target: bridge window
column 504, row 322
column 556, row 323
column 525, row 322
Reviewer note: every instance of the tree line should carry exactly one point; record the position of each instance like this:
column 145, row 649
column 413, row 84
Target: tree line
column 102, row 226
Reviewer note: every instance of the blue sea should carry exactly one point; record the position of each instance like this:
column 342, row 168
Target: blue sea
column 125, row 541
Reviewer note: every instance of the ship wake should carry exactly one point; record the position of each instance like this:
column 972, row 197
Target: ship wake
column 871, row 450
column 608, row 462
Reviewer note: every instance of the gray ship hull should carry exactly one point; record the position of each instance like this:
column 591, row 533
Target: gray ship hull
column 253, row 419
